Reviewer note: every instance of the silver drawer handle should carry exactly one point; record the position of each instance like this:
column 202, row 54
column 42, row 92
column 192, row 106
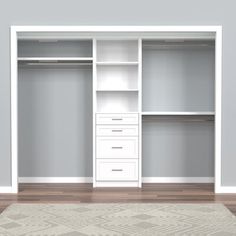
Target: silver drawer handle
column 117, row 119
column 117, row 170
column 116, row 147
column 117, row 130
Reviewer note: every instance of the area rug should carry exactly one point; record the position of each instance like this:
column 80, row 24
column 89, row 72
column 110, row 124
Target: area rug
column 117, row 219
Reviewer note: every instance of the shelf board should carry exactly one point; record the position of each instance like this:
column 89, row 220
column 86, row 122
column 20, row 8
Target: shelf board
column 117, row 90
column 178, row 113
column 118, row 63
column 54, row 59
column 115, row 113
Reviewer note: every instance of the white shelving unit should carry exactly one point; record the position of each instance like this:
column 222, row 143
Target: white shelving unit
column 137, row 74
column 117, row 158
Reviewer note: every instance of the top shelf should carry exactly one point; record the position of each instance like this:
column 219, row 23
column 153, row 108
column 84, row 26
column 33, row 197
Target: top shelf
column 55, row 59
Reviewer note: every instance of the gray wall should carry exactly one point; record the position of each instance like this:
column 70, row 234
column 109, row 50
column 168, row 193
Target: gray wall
column 55, row 121
column 106, row 12
column 178, row 79
column 178, row 147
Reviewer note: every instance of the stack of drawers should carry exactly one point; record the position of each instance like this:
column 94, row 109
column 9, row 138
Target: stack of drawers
column 117, row 147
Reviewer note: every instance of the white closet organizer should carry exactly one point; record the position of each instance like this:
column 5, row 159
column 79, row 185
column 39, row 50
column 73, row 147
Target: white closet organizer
column 150, row 101
column 117, row 109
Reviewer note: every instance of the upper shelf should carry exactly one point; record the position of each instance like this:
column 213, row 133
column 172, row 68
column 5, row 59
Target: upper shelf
column 53, row 59
column 178, row 113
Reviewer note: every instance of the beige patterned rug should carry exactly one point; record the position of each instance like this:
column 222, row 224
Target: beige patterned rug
column 117, row 219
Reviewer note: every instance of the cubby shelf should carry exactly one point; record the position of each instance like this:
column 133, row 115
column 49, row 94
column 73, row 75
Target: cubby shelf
column 118, row 63
column 117, row 90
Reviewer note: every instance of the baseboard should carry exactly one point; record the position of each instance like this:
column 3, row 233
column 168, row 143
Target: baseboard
column 178, row 179
column 225, row 189
column 90, row 180
column 55, row 179
column 116, row 184
column 6, row 189
column 219, row 189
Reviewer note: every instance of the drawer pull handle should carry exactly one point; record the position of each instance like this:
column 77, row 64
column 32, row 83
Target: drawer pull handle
column 117, row 119
column 117, row 170
column 117, row 130
column 116, row 147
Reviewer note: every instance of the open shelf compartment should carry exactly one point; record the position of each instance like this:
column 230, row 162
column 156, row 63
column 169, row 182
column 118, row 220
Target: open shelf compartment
column 115, row 102
column 178, row 76
column 117, row 51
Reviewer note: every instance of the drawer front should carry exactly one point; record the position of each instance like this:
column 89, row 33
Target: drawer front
column 116, row 170
column 117, row 130
column 114, row 147
column 117, row 119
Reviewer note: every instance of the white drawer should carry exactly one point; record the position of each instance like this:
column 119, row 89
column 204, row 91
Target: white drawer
column 117, row 130
column 117, row 119
column 117, row 147
column 117, row 170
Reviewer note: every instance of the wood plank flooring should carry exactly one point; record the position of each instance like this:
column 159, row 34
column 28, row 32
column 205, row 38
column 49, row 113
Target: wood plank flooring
column 158, row 193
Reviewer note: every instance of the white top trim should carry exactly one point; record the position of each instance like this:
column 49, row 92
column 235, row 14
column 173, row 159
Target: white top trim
column 116, row 28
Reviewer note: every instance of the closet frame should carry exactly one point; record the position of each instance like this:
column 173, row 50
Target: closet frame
column 94, row 32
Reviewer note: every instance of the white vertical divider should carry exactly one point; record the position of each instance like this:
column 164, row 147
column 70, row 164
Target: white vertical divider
column 218, row 111
column 140, row 109
column 94, row 108
column 14, row 112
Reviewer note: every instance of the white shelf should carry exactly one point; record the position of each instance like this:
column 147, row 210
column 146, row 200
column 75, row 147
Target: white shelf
column 118, row 63
column 117, row 90
column 178, row 113
column 55, row 59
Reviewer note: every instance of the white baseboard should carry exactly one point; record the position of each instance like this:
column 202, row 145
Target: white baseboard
column 55, row 179
column 90, row 180
column 220, row 189
column 226, row 189
column 116, row 184
column 178, row 179
column 6, row 189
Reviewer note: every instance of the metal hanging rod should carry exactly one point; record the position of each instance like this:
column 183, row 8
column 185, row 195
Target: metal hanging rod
column 173, row 46
column 180, row 119
column 55, row 61
column 165, row 44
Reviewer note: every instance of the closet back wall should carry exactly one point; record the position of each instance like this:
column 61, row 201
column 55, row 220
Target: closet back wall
column 105, row 12
column 55, row 122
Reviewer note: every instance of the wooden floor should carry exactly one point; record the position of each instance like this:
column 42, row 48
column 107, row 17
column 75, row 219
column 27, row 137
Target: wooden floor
column 158, row 193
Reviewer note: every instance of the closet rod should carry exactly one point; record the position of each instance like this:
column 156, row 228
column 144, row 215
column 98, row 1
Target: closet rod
column 180, row 120
column 55, row 64
column 166, row 46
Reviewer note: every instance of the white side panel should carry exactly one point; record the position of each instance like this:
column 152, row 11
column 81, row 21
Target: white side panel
column 14, row 111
